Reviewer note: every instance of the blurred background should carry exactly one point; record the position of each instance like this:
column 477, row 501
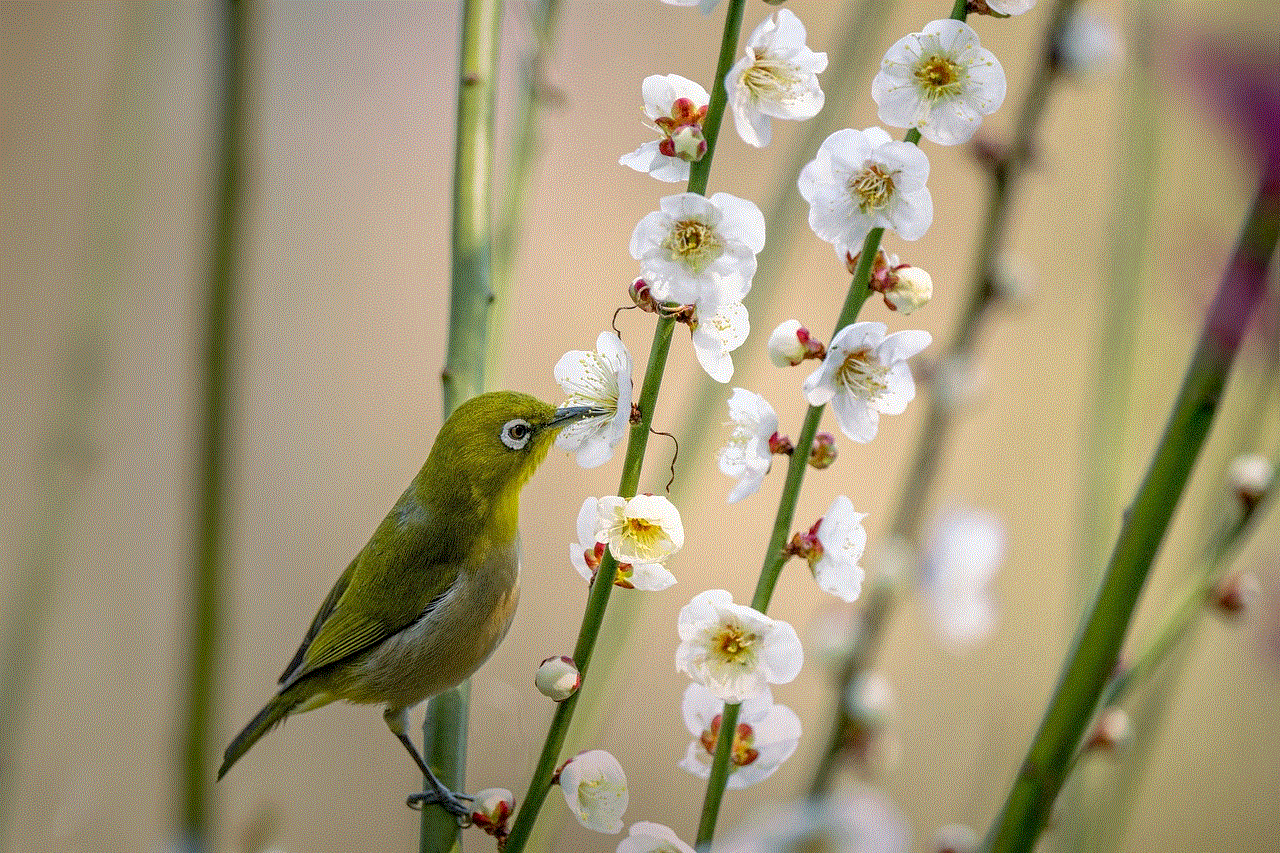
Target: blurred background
column 106, row 151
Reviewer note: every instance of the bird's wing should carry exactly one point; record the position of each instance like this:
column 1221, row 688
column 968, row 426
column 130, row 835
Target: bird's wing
column 322, row 615
column 395, row 580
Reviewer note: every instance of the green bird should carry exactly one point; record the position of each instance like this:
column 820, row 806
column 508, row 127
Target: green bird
column 431, row 595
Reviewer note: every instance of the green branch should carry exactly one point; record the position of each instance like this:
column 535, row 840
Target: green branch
column 444, row 728
column 1094, row 653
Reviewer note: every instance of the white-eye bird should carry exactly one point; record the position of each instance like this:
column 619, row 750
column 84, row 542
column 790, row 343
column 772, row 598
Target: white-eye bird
column 431, row 595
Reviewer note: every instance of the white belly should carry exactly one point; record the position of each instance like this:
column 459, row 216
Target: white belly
column 445, row 647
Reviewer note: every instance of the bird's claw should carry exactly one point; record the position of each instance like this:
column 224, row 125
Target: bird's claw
column 454, row 804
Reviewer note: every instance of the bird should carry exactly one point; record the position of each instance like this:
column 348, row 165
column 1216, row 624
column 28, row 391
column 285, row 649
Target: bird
column 432, row 594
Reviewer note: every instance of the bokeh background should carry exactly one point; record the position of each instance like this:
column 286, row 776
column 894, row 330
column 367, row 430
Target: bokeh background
column 106, row 154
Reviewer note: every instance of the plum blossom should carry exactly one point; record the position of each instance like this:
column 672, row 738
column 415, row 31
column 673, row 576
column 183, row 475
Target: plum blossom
column 699, row 251
column 941, row 81
column 718, row 335
column 965, row 549
column 646, row 837
column 704, row 6
column 865, row 179
column 733, row 650
column 601, row 379
column 766, row 735
column 749, row 454
column 585, row 556
column 843, row 539
column 864, row 375
column 595, row 790
column 776, row 78
column 676, row 106
column 643, row 529
column 1010, row 7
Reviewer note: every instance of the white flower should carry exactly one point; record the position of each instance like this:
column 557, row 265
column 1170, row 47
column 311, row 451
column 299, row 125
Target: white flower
column 864, row 375
column 777, row 77
column 843, row 539
column 766, row 735
column 595, row 789
column 646, row 837
column 748, row 455
column 676, row 106
column 601, row 379
column 1009, row 7
column 699, row 251
column 940, row 80
column 864, row 179
column 585, row 556
column 704, row 6
column 644, row 529
column 1251, row 475
column 716, row 336
column 965, row 549
column 733, row 650
column 1087, row 43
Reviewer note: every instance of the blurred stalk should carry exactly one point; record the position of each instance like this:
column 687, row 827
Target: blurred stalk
column 444, row 728
column 212, row 476
column 1005, row 168
column 1095, row 651
column 534, row 96
column 66, row 455
column 1152, row 676
column 1088, row 820
column 1121, row 293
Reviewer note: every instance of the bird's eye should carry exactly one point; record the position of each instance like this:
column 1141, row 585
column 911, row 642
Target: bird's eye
column 515, row 434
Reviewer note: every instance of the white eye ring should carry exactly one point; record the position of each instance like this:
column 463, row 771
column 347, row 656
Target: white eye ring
column 516, row 433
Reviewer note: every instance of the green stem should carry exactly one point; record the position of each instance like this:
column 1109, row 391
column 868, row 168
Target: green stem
column 775, row 553
column 471, row 293
column 1093, row 656
column 637, row 442
column 215, row 434
column 524, row 153
column 444, row 727
column 700, row 172
column 597, row 598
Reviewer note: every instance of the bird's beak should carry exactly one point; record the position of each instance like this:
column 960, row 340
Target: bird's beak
column 566, row 416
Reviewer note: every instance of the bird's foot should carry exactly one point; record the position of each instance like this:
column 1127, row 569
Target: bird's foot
column 455, row 804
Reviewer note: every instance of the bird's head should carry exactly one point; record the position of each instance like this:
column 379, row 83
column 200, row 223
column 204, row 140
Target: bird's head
column 491, row 445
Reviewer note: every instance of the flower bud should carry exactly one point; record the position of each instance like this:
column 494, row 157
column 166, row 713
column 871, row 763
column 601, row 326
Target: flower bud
column 869, row 700
column 823, row 452
column 640, row 295
column 1112, row 732
column 687, row 143
column 491, row 809
column 1236, row 593
column 1250, row 477
column 558, row 678
column 791, row 344
column 785, row 348
column 912, row 288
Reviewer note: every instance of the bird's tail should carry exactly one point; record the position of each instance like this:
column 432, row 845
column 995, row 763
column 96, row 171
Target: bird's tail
column 268, row 718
